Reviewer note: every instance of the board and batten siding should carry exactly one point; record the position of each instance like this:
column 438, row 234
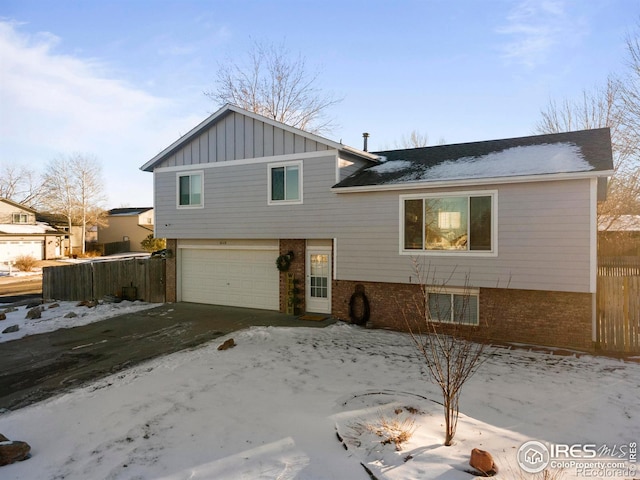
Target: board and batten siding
column 238, row 137
column 543, row 227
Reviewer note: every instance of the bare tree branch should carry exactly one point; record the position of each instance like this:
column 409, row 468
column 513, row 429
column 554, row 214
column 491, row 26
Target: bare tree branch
column 20, row 184
column 616, row 105
column 276, row 85
column 450, row 355
column 75, row 190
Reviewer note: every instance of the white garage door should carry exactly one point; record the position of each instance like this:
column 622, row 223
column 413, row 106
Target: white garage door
column 9, row 250
column 239, row 278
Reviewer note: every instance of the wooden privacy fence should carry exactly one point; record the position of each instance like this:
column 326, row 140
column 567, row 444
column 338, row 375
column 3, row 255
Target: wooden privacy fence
column 619, row 266
column 618, row 306
column 134, row 279
column 109, row 248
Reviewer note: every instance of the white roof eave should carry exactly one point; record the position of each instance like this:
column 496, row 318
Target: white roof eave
column 470, row 182
column 233, row 108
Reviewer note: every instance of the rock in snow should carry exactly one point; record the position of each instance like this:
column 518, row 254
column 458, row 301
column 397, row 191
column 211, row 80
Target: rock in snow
column 482, row 461
column 11, row 452
column 11, row 329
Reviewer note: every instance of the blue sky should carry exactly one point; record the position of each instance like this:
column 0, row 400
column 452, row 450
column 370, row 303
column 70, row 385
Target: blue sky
column 121, row 80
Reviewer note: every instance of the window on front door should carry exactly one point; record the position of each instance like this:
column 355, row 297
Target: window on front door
column 319, row 277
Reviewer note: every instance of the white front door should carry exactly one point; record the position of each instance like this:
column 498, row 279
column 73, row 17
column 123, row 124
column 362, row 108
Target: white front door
column 318, row 284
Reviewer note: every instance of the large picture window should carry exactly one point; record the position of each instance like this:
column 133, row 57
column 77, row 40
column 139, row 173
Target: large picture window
column 285, row 183
column 449, row 223
column 190, row 189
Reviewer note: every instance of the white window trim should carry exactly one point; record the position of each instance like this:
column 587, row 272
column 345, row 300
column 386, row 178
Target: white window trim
column 450, row 253
column 28, row 218
column 270, row 167
column 451, row 291
column 190, row 174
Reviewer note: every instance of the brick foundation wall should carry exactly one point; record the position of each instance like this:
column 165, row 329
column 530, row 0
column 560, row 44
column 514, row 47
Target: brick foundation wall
column 506, row 315
column 298, row 247
column 561, row 319
column 171, row 285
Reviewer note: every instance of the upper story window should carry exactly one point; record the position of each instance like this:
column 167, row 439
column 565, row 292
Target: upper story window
column 190, row 189
column 285, row 183
column 449, row 223
column 22, row 218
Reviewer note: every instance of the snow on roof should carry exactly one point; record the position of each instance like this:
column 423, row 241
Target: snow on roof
column 21, row 229
column 571, row 152
column 391, row 167
column 526, row 160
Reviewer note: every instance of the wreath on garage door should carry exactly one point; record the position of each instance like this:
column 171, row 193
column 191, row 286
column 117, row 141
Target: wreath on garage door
column 283, row 262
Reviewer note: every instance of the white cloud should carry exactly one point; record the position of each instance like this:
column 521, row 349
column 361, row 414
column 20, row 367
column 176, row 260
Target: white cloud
column 53, row 103
column 535, row 27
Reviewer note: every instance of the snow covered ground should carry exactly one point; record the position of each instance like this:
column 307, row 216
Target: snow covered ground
column 269, row 408
column 53, row 317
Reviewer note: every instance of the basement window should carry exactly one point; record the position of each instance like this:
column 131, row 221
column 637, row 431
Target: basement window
column 458, row 306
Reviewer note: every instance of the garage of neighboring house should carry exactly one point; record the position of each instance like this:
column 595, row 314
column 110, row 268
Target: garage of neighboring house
column 18, row 248
column 229, row 273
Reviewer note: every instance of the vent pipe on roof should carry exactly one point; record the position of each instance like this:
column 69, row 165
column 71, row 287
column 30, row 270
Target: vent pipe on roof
column 365, row 135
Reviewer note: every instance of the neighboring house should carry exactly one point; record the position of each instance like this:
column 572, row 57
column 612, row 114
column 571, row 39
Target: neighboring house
column 127, row 224
column 61, row 223
column 509, row 225
column 21, row 234
column 619, row 235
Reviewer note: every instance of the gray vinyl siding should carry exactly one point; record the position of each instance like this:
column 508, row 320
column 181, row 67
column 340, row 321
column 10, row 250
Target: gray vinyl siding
column 238, row 137
column 353, row 168
column 543, row 231
column 543, row 242
column 235, row 204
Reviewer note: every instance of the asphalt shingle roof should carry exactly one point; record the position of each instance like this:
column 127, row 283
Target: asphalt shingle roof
column 571, row 152
column 128, row 211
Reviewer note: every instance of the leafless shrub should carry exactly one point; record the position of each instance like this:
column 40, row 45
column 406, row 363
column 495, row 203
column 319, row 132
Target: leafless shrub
column 395, row 431
column 25, row 263
column 443, row 339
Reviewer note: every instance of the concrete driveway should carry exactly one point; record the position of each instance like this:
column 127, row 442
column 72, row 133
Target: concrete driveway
column 39, row 366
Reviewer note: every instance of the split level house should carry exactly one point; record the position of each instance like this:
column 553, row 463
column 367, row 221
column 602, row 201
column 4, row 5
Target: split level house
column 21, row 234
column 503, row 233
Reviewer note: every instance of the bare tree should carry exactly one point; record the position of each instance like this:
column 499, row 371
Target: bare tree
column 90, row 188
column 20, row 184
column 60, row 197
column 274, row 84
column 442, row 337
column 597, row 108
column 631, row 85
column 608, row 106
column 414, row 140
column 75, row 190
